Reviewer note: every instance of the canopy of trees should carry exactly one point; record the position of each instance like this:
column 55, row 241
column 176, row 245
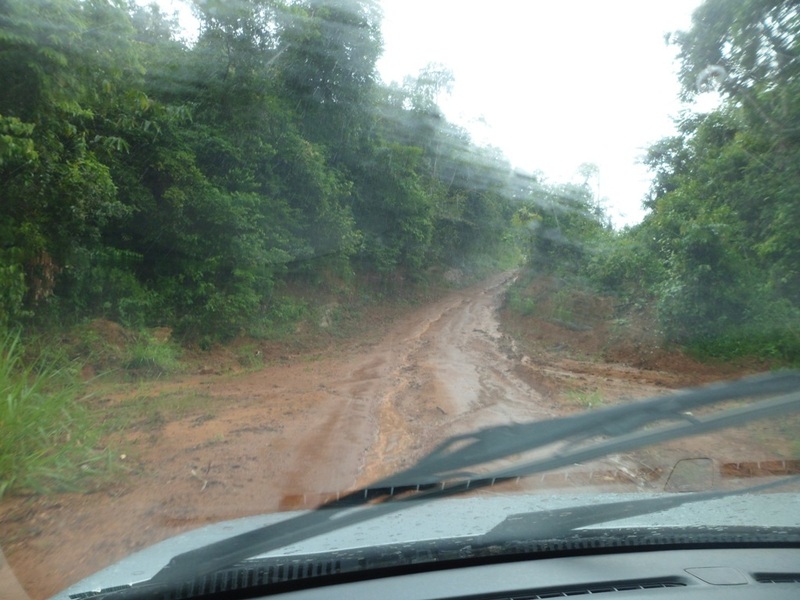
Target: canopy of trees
column 156, row 182
column 719, row 251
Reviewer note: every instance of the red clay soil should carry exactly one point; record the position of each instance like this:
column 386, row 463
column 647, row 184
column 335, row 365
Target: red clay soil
column 288, row 434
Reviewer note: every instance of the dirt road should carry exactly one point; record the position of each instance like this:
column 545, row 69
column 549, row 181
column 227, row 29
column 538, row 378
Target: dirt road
column 285, row 436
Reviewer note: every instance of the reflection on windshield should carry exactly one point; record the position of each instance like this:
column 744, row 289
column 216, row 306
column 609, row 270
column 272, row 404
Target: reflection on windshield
column 250, row 261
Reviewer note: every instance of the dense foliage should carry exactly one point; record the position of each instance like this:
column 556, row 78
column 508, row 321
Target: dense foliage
column 716, row 261
column 157, row 182
column 719, row 251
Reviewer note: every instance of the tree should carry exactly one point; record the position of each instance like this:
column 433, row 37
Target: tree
column 158, row 183
column 329, row 73
column 64, row 65
column 748, row 50
column 726, row 186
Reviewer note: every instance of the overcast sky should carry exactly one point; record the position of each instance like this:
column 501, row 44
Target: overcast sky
column 553, row 84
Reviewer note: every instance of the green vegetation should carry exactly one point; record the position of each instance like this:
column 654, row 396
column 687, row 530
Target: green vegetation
column 717, row 258
column 586, row 399
column 153, row 183
column 106, row 348
column 261, row 177
column 520, row 303
column 158, row 183
column 150, row 410
column 151, row 358
column 250, row 184
column 46, row 439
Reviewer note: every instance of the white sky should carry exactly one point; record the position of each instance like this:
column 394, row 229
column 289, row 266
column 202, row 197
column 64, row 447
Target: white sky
column 557, row 83
column 554, row 84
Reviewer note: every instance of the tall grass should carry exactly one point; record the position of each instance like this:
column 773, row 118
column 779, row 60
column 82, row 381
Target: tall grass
column 46, row 439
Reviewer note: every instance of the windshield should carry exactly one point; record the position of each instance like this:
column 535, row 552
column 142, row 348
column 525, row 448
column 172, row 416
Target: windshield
column 260, row 256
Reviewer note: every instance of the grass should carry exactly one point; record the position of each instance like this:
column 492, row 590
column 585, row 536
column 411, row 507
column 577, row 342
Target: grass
column 47, row 442
column 249, row 356
column 152, row 411
column 586, row 399
column 548, row 301
column 150, row 358
column 521, row 304
column 109, row 350
column 778, row 345
column 285, row 313
column 562, row 302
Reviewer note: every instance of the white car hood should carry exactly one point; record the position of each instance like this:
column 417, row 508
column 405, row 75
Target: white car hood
column 452, row 518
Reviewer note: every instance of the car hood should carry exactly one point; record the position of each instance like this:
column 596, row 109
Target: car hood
column 449, row 519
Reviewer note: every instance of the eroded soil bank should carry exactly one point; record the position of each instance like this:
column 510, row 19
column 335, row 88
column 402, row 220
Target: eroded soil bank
column 289, row 434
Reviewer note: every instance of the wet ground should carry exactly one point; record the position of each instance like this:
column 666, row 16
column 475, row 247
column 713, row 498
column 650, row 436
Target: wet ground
column 287, row 435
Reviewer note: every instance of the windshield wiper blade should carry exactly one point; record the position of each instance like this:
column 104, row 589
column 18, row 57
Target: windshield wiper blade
column 544, row 524
column 433, row 475
column 458, row 453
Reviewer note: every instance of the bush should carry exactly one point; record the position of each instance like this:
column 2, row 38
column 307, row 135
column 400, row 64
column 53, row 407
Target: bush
column 781, row 347
column 521, row 304
column 150, row 357
column 772, row 334
column 12, row 291
column 103, row 283
column 625, row 265
column 281, row 318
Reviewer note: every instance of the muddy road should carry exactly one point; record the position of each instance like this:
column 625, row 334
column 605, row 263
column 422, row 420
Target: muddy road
column 288, row 435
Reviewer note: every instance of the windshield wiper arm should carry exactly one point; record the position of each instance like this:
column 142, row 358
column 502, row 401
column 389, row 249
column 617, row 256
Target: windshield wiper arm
column 450, row 459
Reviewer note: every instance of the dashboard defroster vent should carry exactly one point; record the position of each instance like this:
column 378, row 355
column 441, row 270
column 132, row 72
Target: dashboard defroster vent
column 585, row 590
column 777, row 577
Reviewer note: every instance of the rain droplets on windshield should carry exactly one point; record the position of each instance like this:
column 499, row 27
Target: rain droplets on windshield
column 257, row 254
